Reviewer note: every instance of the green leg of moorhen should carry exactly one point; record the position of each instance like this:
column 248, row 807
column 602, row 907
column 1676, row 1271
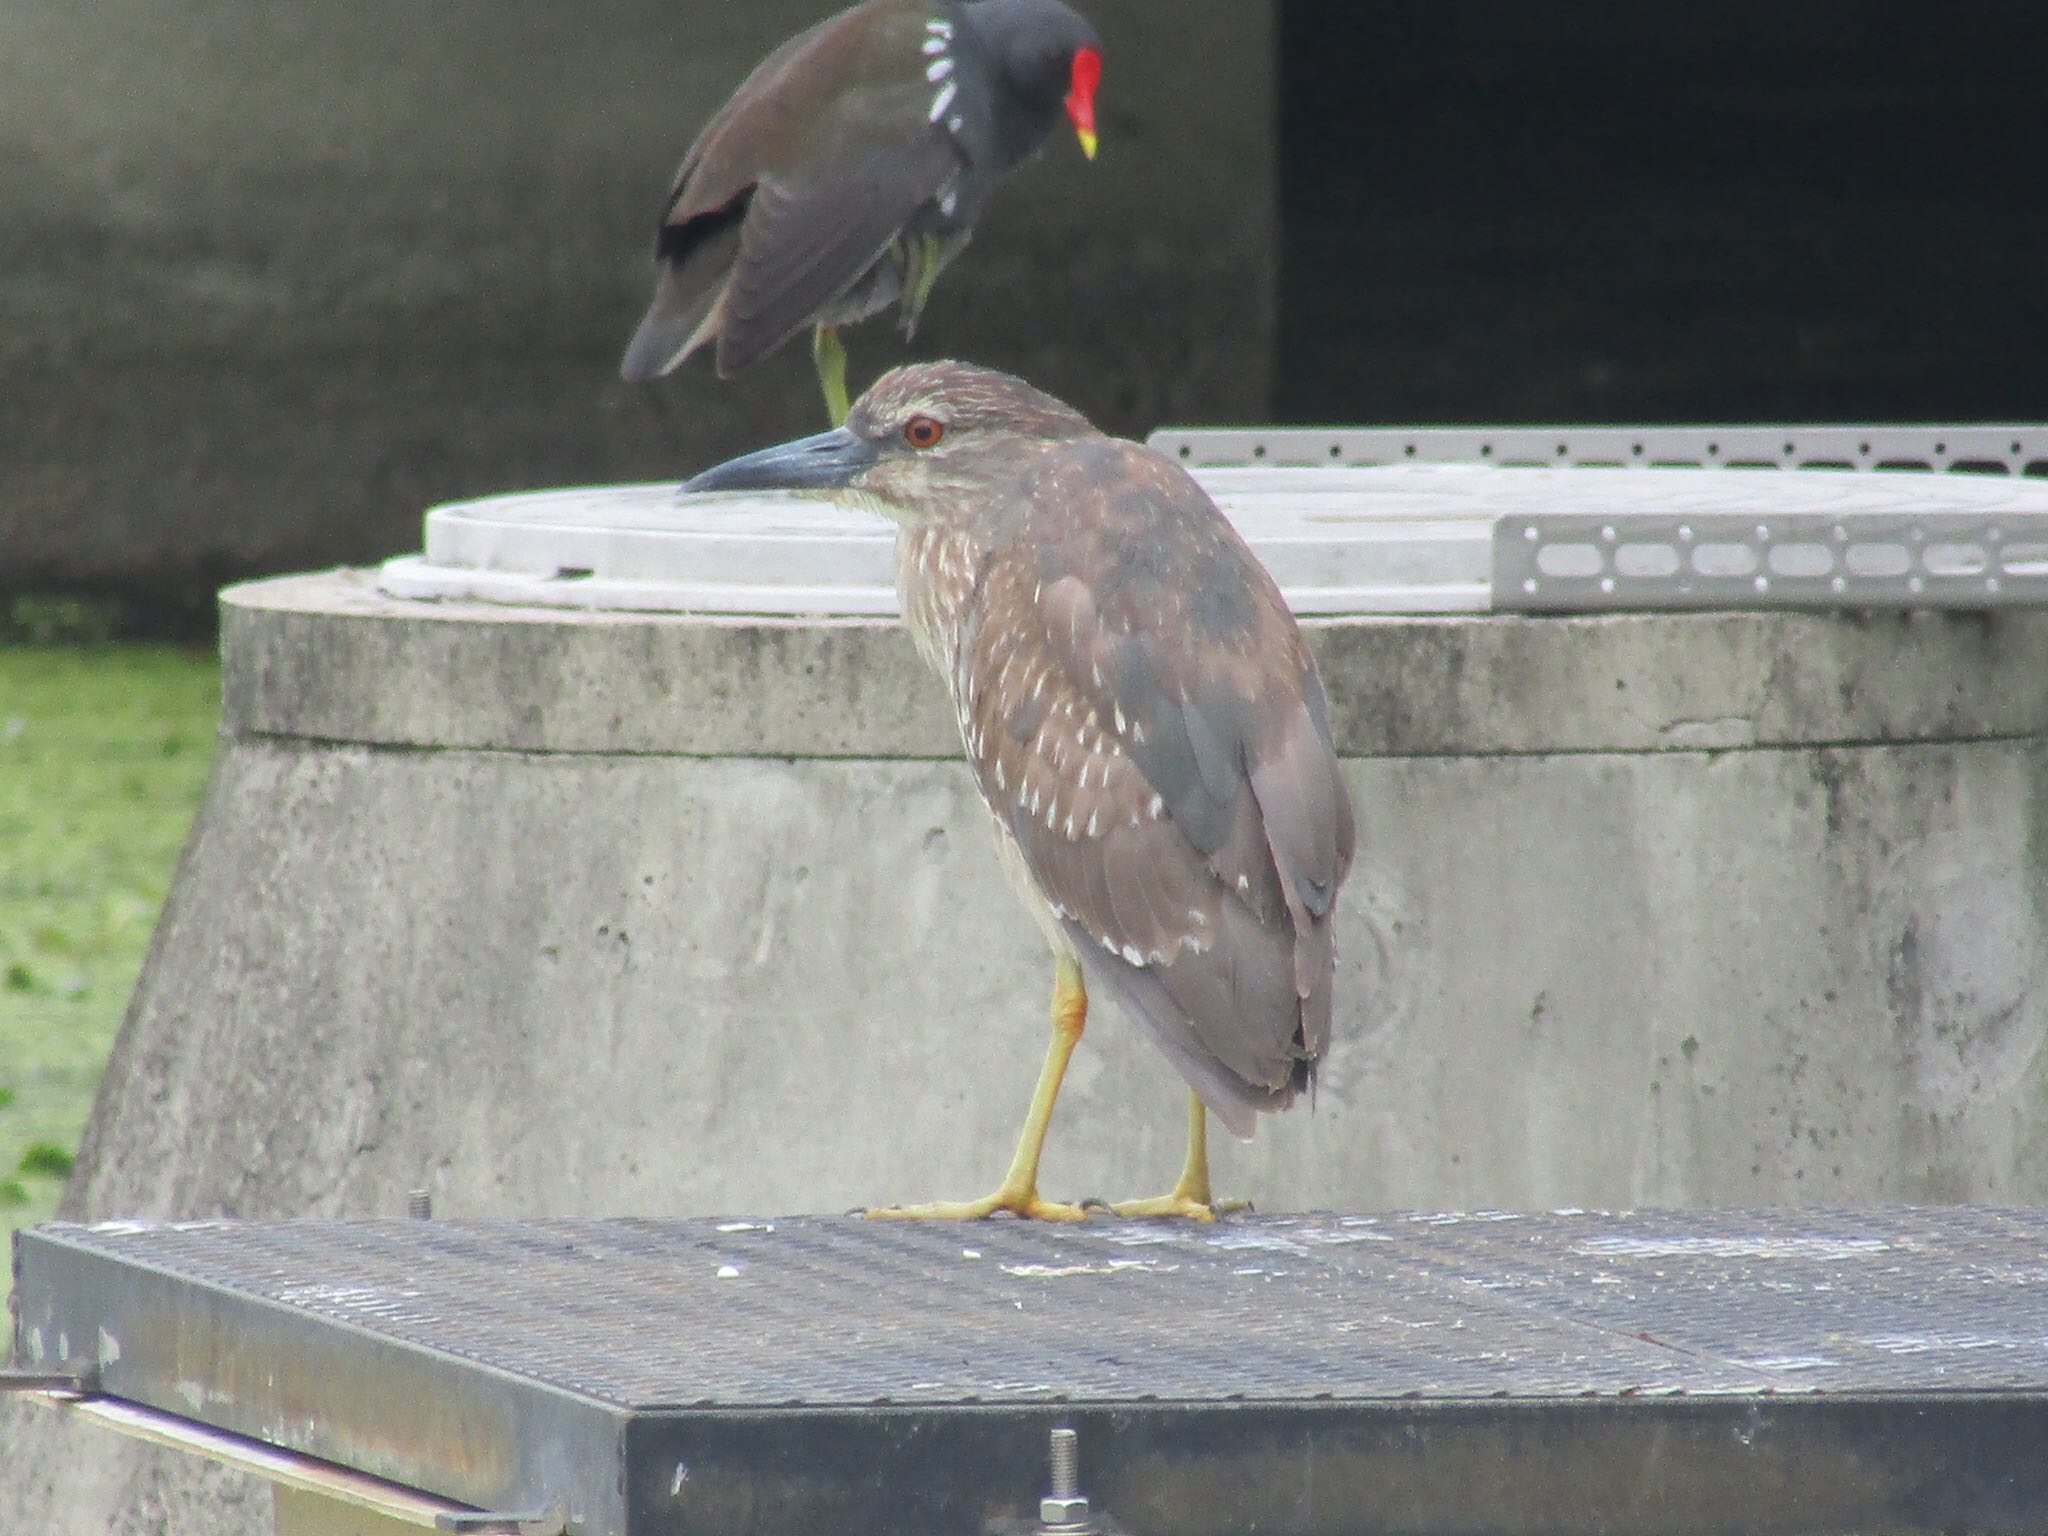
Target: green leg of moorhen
column 920, row 258
column 1018, row 1192
column 828, row 355
column 1190, row 1197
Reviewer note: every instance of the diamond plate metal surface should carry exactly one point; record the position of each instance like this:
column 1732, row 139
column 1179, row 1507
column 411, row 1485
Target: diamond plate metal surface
column 658, row 1314
column 704, row 1375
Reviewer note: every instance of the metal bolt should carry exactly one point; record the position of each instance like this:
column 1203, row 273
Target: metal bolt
column 419, row 1205
column 1064, row 1512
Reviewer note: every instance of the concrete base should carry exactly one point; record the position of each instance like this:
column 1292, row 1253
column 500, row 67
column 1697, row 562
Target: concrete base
column 553, row 912
column 573, row 983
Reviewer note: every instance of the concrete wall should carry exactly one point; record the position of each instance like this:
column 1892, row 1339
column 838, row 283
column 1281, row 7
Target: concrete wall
column 1692, row 909
column 273, row 278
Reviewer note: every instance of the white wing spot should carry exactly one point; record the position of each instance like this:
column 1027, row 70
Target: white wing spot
column 938, row 69
column 938, row 26
column 935, row 44
column 1002, row 779
column 944, row 100
column 1121, row 726
column 1070, row 826
column 949, row 202
column 956, row 122
column 1195, row 915
column 1244, row 885
column 1091, row 823
column 1138, row 733
column 1132, row 954
column 1156, row 807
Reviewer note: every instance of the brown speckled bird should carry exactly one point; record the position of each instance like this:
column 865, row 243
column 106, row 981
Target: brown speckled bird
column 848, row 169
column 1144, row 723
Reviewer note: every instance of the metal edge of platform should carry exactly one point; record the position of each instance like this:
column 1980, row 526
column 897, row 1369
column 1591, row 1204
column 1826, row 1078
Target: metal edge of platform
column 1674, row 1465
column 1668, row 1464
column 432, row 1422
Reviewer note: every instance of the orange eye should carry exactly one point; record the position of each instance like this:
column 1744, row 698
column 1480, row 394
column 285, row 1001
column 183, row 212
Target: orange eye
column 923, row 432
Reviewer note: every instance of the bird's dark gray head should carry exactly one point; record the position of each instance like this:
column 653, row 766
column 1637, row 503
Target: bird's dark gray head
column 925, row 440
column 1048, row 57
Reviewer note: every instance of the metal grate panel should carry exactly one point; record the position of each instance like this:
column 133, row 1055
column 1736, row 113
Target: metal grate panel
column 669, row 1375
column 654, row 1314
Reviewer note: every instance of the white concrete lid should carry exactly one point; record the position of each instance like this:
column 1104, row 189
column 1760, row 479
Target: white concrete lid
column 1341, row 539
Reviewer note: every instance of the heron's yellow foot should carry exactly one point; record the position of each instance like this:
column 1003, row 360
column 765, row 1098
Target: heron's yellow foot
column 1190, row 1199
column 1019, row 1202
column 1018, row 1192
column 1182, row 1203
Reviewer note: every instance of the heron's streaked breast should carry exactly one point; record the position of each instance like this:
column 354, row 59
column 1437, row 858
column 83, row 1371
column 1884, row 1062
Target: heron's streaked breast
column 935, row 581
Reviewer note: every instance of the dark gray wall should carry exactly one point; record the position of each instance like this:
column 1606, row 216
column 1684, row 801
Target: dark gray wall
column 1725, row 210
column 275, row 277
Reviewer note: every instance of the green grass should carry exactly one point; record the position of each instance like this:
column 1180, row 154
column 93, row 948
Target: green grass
column 103, row 753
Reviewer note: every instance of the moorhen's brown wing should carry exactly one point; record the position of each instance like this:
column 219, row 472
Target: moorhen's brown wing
column 803, row 244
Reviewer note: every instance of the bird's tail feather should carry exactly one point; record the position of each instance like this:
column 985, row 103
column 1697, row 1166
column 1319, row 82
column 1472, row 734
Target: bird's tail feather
column 666, row 336
column 1234, row 1102
column 687, row 309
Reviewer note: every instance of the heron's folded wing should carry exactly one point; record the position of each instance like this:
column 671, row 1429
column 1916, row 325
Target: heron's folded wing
column 1133, row 808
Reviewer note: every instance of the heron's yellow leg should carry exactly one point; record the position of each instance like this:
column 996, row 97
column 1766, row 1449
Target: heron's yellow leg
column 1190, row 1197
column 1018, row 1192
column 828, row 356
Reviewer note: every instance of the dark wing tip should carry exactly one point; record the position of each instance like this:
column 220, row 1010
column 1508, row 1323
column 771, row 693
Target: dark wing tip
column 655, row 349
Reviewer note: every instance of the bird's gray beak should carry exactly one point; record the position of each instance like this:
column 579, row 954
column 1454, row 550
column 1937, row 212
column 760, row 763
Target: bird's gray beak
column 824, row 462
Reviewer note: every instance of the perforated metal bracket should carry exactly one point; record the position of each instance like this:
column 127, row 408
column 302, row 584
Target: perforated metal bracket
column 1562, row 561
column 1994, row 449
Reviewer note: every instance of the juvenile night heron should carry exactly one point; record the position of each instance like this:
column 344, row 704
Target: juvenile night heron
column 848, row 170
column 1144, row 722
